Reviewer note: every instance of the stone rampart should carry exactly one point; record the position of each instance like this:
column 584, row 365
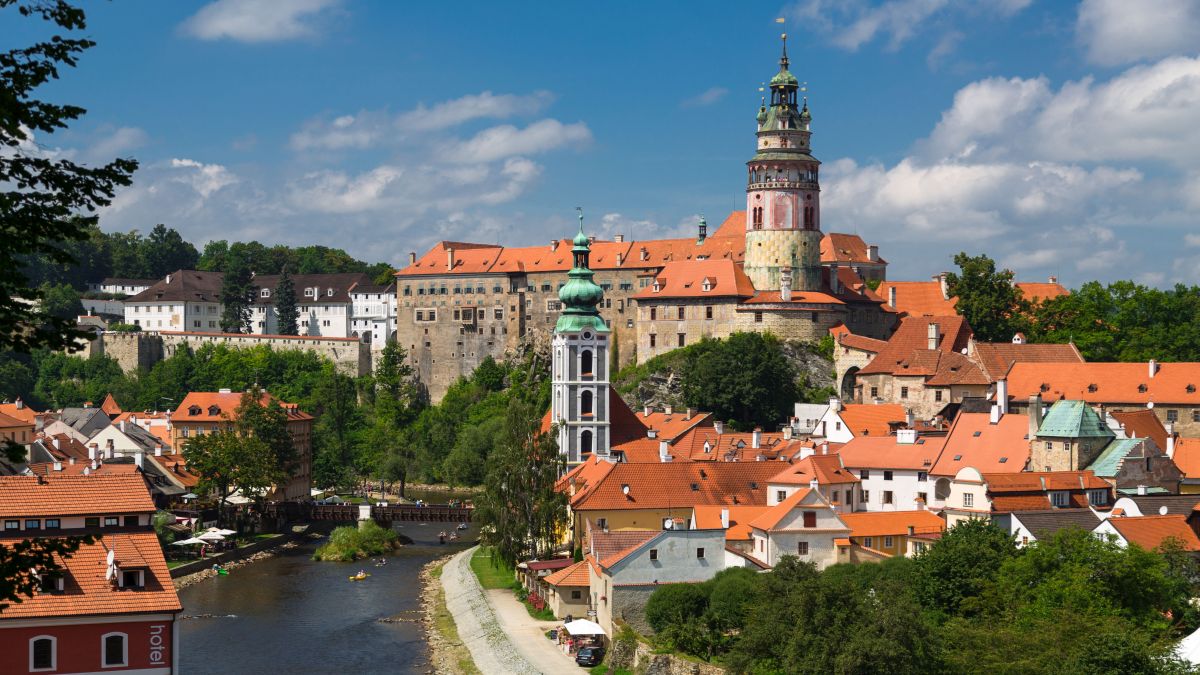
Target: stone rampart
column 142, row 350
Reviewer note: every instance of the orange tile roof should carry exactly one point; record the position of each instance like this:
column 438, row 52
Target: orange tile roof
column 674, row 424
column 110, row 406
column 838, row 247
column 67, row 448
column 1143, row 423
column 19, row 411
column 575, row 575
column 708, row 517
column 583, row 476
column 996, row 358
column 610, row 547
column 871, row 419
column 1038, row 292
column 7, row 422
column 226, row 404
column 60, row 495
column 943, row 368
column 826, row 469
column 989, row 448
column 1187, row 456
column 1038, row 481
column 690, row 278
column 918, row 298
column 771, row 517
column 892, row 523
column 1110, row 383
column 677, row 485
column 175, row 466
column 883, row 452
column 861, row 342
column 1149, row 532
column 913, row 335
column 86, row 591
column 78, row 468
column 730, row 446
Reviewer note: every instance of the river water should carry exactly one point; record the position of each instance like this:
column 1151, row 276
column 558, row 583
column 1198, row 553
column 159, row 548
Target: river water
column 290, row 614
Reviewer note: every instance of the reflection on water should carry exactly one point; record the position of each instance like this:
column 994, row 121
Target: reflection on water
column 290, row 614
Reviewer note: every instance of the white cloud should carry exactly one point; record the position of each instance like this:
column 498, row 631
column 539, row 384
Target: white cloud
column 1191, row 240
column 1114, row 32
column 258, row 20
column 507, row 140
column 706, row 98
column 116, row 143
column 205, row 179
column 850, row 24
column 943, row 49
column 372, row 127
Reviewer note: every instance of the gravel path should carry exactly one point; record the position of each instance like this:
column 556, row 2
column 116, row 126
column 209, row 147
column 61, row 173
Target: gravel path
column 491, row 648
column 528, row 634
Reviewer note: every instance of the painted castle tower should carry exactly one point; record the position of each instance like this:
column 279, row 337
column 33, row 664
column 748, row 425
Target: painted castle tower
column 783, row 204
column 579, row 373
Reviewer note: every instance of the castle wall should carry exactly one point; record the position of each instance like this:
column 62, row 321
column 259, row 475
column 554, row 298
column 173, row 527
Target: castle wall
column 140, row 351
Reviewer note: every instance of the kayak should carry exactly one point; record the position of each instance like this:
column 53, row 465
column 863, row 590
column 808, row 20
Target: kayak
column 223, row 573
column 359, row 577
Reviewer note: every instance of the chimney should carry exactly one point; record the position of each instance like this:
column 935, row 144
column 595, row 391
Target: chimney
column 787, row 432
column 158, row 450
column 835, row 283
column 93, row 451
column 168, row 278
column 725, row 518
column 941, row 279
column 1053, row 279
column 1035, row 415
column 1002, row 395
column 412, row 257
column 933, row 334
column 785, row 284
column 814, row 484
column 825, row 448
column 718, row 426
column 20, row 404
column 835, row 403
column 58, row 466
column 620, row 258
column 645, row 255
column 906, row 436
column 668, row 409
column 892, row 296
column 873, row 252
column 646, row 410
column 994, row 414
column 57, row 445
column 1141, row 490
column 756, row 438
column 122, row 427
column 94, row 465
column 691, row 412
column 71, row 461
column 1153, row 367
column 87, row 471
column 139, row 458
column 619, row 238
column 651, row 433
column 664, row 451
column 911, row 530
column 450, row 259
column 910, row 420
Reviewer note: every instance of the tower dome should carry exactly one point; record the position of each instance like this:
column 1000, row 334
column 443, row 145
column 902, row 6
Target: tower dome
column 580, row 295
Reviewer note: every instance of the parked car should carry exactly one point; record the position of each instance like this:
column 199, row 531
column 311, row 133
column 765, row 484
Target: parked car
column 590, row 656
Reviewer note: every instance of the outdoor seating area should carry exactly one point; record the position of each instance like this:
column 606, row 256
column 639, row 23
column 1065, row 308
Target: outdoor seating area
column 578, row 634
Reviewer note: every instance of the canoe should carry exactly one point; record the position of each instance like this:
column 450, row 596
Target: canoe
column 359, row 577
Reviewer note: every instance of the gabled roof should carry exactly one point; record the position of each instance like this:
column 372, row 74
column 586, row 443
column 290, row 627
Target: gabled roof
column 996, row 358
column 1038, row 292
column 871, row 419
column 1151, row 505
column 86, row 421
column 1142, row 423
column 847, row 248
column 110, row 406
column 714, row 278
column 1150, row 532
column 67, row 447
column 946, row 369
column 913, row 335
column 1187, row 457
column 825, row 469
column 918, row 298
column 7, row 422
column 1109, row 383
column 575, row 575
column 73, row 495
column 892, row 523
column 670, row 426
column 1108, row 462
column 340, row 283
column 861, row 342
column 87, row 592
column 704, row 444
column 19, row 411
column 975, row 442
column 679, row 485
column 709, row 518
column 771, row 517
column 1073, row 419
column 1041, row 481
column 1043, row 524
column 883, row 452
column 183, row 286
column 212, row 406
column 610, row 548
column 176, row 469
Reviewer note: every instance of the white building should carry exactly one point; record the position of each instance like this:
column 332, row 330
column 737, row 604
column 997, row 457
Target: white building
column 373, row 318
column 185, row 300
column 894, row 470
column 125, row 286
column 323, row 304
column 843, row 422
column 804, row 525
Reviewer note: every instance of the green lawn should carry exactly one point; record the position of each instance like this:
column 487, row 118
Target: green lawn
column 172, row 564
column 491, row 573
column 603, row 669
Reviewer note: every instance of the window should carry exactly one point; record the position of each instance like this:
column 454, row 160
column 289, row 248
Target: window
column 780, row 495
column 968, row 500
column 602, row 523
column 131, row 579
column 700, row 553
column 758, row 317
column 111, row 521
column 1067, row 446
column 265, row 293
column 682, row 314
column 1196, row 414
column 903, row 392
column 1049, row 445
column 653, row 337
column 131, row 521
column 937, row 394
column 115, row 650
column 576, row 595
column 53, row 523
column 1172, row 416
column 654, row 554
column 802, row 548
column 888, row 542
column 585, row 441
column 708, row 312
column 33, row 524
column 1098, row 497
column 887, row 475
column 585, row 362
column 887, row 496
column 12, row 524
column 923, row 496
column 1059, row 498
column 874, row 392
column 866, row 496
column 91, row 521
column 498, row 314
column 653, row 313
column 864, row 473
column 42, row 653
column 585, row 404
column 682, row 339
column 922, row 476
column 868, row 541
column 810, row 518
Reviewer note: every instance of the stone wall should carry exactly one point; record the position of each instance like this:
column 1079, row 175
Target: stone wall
column 639, row 657
column 140, row 351
column 134, row 351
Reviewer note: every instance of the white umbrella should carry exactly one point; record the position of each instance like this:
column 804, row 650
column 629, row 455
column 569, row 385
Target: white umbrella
column 223, row 533
column 188, row 542
column 211, row 537
column 583, row 627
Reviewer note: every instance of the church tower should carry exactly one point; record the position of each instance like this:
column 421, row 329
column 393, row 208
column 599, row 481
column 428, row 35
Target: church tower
column 783, row 204
column 579, row 372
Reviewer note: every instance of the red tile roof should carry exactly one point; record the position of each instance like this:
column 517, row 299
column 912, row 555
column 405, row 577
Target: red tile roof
column 19, row 411
column 87, row 592
column 1187, row 456
column 110, row 406
column 861, row 342
column 225, row 407
column 975, row 442
column 79, row 468
column 996, row 358
column 690, row 278
column 575, row 575
column 826, row 469
column 871, row 419
column 1149, row 532
column 799, row 301
column 7, row 422
column 1110, row 383
column 918, row 298
column 63, row 495
column 1143, row 423
column 892, row 523
column 677, row 485
column 771, row 517
column 674, row 424
column 175, row 467
column 1038, row 292
column 883, row 452
column 913, row 335
column 609, row 548
column 67, row 448
column 1038, row 481
column 709, row 518
column 849, row 248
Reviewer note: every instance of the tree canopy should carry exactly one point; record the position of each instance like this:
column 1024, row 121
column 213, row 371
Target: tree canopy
column 744, row 378
column 993, row 306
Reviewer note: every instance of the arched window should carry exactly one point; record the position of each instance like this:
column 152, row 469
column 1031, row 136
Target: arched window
column 114, row 649
column 43, row 653
column 586, row 405
column 585, row 362
column 585, row 442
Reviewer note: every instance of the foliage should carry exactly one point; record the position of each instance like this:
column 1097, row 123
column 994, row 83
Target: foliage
column 237, row 294
column 19, row 560
column 219, row 256
column 160, row 520
column 744, row 379
column 46, row 202
column 60, row 301
column 120, row 327
column 285, row 304
column 1123, row 321
column 521, row 512
column 953, row 574
column 353, row 542
column 992, row 305
column 254, row 454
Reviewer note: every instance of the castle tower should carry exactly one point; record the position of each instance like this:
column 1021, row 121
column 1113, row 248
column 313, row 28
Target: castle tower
column 579, row 372
column 783, row 205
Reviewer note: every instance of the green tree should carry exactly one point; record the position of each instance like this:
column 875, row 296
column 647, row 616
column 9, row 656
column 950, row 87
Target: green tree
column 744, row 379
column 489, row 374
column 60, row 301
column 237, row 294
column 674, row 604
column 165, row 251
column 227, row 461
column 992, row 305
column 953, row 574
column 285, row 304
column 523, row 515
column 268, row 423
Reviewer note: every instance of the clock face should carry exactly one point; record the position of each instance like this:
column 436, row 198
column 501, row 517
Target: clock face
column 587, row 335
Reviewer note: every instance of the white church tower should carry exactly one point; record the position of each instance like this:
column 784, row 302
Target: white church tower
column 579, row 374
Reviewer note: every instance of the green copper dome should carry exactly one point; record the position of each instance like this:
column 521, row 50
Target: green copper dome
column 786, row 78
column 580, row 295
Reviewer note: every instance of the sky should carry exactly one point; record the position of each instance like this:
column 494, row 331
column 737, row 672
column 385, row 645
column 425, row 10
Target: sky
column 1059, row 137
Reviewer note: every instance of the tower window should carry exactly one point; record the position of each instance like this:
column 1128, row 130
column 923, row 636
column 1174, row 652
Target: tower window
column 585, row 362
column 586, row 405
column 757, row 217
column 585, row 441
column 653, row 339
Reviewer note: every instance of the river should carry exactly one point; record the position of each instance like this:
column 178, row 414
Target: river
column 290, row 614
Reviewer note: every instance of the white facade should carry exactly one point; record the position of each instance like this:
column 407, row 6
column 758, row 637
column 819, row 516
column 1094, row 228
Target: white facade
column 579, row 393
column 894, row 489
column 811, row 540
column 374, row 316
column 196, row 317
column 967, row 498
column 125, row 286
column 831, row 427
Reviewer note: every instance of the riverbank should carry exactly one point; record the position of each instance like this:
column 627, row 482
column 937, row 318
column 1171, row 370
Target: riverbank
column 447, row 653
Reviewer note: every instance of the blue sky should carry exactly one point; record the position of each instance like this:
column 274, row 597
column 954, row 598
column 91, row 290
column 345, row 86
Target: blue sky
column 1059, row 137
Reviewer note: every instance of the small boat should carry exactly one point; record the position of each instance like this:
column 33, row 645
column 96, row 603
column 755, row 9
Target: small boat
column 360, row 576
column 223, row 572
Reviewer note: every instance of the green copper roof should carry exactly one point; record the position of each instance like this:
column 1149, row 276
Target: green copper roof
column 1073, row 419
column 784, row 78
column 1109, row 462
column 580, row 295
